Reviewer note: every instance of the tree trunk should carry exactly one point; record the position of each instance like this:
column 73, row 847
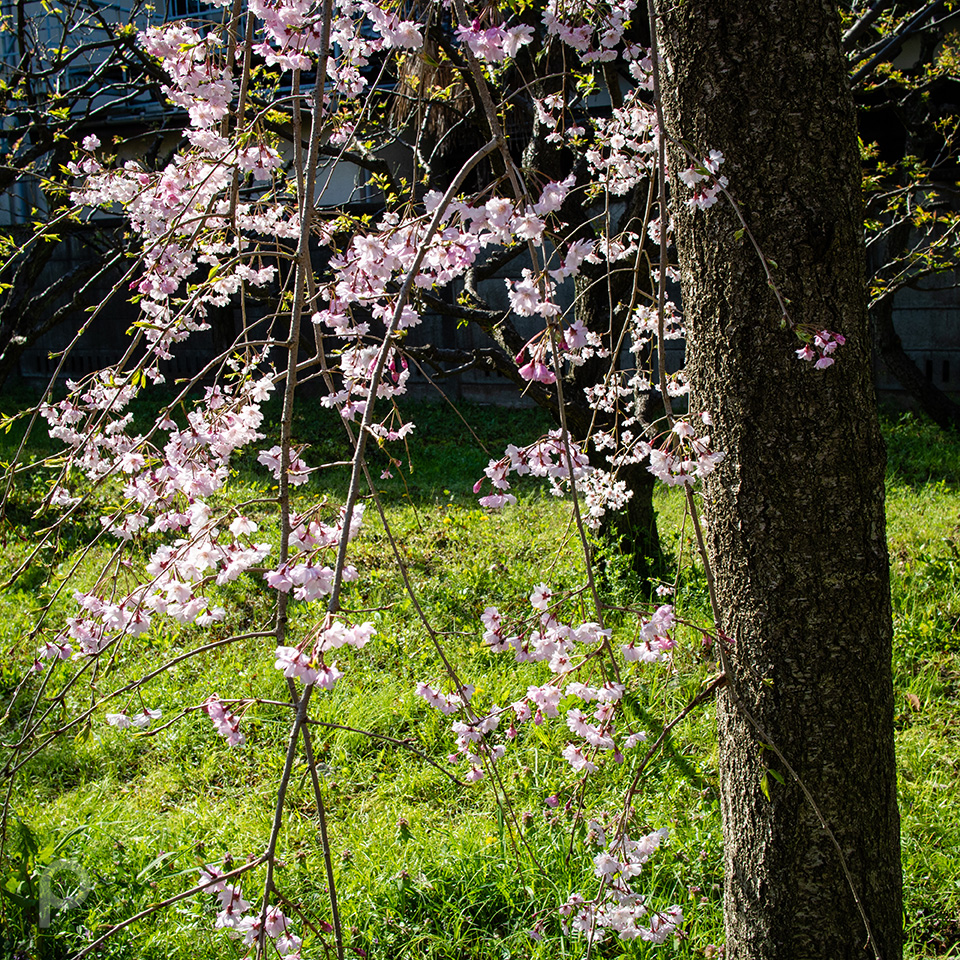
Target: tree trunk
column 631, row 531
column 887, row 343
column 795, row 513
column 931, row 399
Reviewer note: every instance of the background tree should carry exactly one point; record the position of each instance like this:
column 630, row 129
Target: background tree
column 795, row 513
column 440, row 120
column 903, row 60
column 66, row 73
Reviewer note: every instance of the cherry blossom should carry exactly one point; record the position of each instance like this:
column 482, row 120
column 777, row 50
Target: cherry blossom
column 216, row 217
column 227, row 723
column 821, row 346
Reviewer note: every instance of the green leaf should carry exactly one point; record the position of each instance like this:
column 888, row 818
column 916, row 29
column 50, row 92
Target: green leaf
column 85, row 733
column 24, row 903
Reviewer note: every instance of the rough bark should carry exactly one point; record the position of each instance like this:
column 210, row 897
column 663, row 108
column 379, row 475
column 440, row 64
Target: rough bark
column 795, row 513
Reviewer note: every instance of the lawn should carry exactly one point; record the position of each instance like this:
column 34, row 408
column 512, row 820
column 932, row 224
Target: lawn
column 426, row 866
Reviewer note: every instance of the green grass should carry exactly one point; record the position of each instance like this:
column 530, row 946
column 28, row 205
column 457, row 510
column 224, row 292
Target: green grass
column 427, row 868
column 923, row 531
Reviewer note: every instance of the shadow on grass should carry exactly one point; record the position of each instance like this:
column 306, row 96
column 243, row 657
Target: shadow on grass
column 919, row 452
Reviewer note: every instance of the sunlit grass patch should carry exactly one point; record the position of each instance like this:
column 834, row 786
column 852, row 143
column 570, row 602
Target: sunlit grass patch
column 427, row 867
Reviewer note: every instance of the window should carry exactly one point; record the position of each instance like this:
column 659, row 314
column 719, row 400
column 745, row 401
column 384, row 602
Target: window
column 182, row 9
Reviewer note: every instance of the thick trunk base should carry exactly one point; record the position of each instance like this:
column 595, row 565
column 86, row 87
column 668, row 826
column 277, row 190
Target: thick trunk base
column 795, row 513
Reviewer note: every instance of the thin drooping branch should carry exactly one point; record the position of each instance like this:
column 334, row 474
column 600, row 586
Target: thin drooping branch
column 269, row 855
column 387, row 346
column 322, row 818
column 176, row 898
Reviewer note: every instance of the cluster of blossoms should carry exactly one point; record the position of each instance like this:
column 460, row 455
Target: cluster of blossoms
column 86, row 636
column 199, row 84
column 293, row 37
column 653, row 642
column 602, row 493
column 595, row 32
column 185, row 213
column 470, row 734
column 609, row 396
column 566, row 650
column 307, row 662
column 576, row 343
column 310, row 540
column 445, row 702
column 550, row 112
column 188, row 213
column 626, row 149
column 685, row 457
column 374, row 264
column 626, row 144
column 357, row 366
column 679, row 457
column 298, row 472
column 702, row 179
column 645, row 325
column 682, row 457
column 227, row 723
column 629, row 385
column 620, row 909
column 821, row 347
column 165, row 486
column 547, row 457
column 139, row 721
column 91, row 421
column 161, row 480
column 234, row 918
column 494, row 44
